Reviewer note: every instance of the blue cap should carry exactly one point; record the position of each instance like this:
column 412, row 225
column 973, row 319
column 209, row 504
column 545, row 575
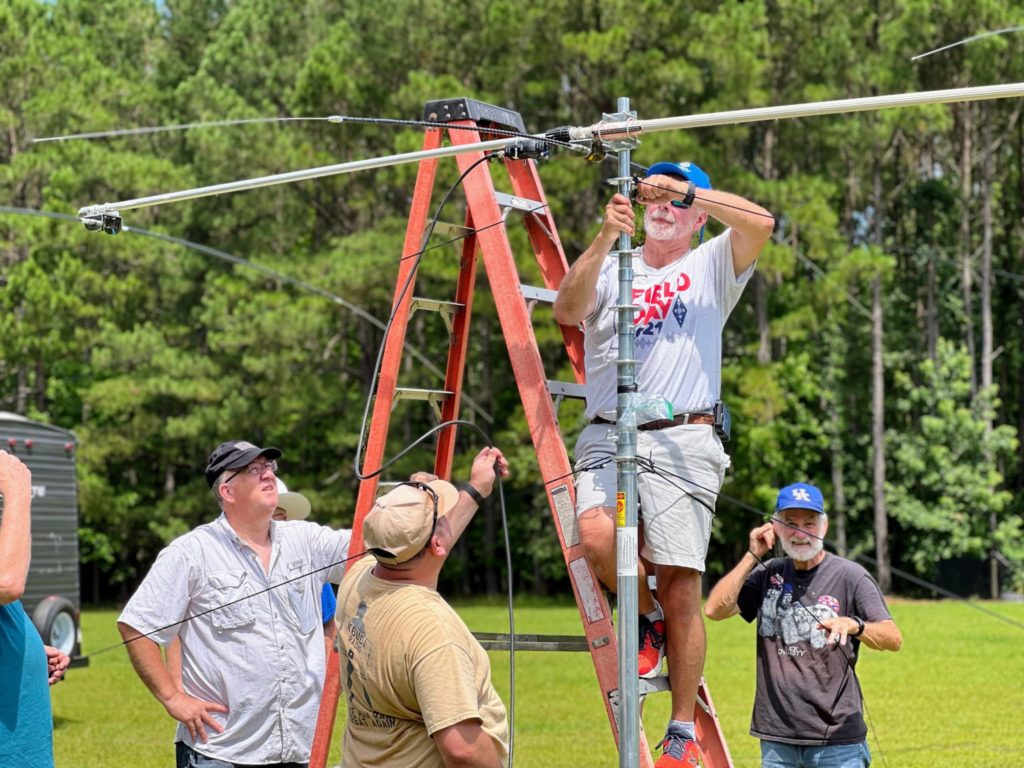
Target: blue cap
column 689, row 171
column 801, row 496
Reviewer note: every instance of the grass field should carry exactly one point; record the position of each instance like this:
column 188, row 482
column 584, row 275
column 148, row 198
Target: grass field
column 953, row 696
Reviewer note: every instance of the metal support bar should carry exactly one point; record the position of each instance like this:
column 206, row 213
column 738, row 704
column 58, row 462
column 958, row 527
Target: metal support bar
column 497, row 641
column 105, row 215
column 614, row 130
column 627, row 556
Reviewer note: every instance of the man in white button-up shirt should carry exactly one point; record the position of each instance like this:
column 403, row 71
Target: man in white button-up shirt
column 242, row 594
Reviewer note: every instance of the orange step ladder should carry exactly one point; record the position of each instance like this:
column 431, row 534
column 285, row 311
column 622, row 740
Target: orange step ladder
column 485, row 208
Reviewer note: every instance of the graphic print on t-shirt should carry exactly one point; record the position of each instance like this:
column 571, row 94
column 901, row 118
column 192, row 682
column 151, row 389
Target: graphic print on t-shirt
column 662, row 310
column 794, row 623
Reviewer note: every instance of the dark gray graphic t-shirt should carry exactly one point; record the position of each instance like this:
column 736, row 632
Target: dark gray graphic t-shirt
column 807, row 692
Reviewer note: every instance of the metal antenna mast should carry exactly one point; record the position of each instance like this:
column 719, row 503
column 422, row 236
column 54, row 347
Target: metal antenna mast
column 625, row 460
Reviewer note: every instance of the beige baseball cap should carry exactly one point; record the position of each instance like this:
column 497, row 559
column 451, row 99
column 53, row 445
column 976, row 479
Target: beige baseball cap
column 295, row 505
column 400, row 523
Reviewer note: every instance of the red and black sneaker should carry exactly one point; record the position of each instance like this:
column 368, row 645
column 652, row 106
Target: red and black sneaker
column 652, row 646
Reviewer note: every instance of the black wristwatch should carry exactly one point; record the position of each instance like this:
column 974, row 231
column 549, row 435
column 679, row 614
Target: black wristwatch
column 860, row 627
column 478, row 497
column 690, row 195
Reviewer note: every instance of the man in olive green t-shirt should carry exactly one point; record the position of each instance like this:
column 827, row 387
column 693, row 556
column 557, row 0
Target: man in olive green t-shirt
column 417, row 683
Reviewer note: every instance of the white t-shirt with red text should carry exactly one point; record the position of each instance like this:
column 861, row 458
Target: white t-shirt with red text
column 678, row 343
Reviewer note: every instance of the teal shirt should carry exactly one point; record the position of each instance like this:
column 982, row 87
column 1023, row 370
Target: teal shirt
column 26, row 724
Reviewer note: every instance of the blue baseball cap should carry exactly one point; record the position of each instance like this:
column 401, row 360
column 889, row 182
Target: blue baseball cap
column 800, row 496
column 689, row 171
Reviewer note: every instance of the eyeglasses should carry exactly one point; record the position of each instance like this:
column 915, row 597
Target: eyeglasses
column 679, row 204
column 256, row 470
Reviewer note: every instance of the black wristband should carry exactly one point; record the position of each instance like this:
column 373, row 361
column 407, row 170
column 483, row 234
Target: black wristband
column 474, row 494
column 691, row 190
column 860, row 627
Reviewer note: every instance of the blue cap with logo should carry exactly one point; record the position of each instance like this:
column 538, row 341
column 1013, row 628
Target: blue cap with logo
column 801, row 496
column 689, row 171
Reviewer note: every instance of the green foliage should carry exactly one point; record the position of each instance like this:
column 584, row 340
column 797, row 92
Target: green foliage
column 153, row 354
column 945, row 481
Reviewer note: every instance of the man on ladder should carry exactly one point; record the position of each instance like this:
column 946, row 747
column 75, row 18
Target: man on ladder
column 684, row 296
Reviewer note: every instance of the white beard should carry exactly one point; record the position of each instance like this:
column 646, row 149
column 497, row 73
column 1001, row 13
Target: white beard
column 663, row 226
column 802, row 552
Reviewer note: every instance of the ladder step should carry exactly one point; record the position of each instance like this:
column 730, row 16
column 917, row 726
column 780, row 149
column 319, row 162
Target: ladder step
column 433, row 305
column 447, row 309
column 518, row 204
column 451, row 231
column 493, row 641
column 533, row 293
column 430, row 395
column 567, row 389
column 433, row 396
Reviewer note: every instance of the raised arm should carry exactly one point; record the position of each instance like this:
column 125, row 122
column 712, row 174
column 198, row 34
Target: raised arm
column 722, row 602
column 487, row 465
column 749, row 224
column 15, row 530
column 576, row 299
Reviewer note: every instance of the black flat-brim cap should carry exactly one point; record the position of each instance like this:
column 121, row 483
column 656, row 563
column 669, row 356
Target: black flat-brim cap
column 235, row 454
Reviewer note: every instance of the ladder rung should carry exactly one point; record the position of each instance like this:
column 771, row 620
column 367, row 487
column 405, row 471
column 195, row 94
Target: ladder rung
column 499, row 642
column 451, row 231
column 433, row 305
column 518, row 204
column 431, row 395
column 447, row 309
column 533, row 293
column 567, row 389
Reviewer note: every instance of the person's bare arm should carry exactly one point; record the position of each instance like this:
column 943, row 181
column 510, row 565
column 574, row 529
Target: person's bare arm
column 172, row 656
column 486, row 466
column 576, row 299
column 750, row 225
column 466, row 745
column 722, row 602
column 881, row 635
column 153, row 671
column 15, row 529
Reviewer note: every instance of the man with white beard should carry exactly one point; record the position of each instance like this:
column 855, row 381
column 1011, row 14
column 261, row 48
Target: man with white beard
column 684, row 294
column 807, row 710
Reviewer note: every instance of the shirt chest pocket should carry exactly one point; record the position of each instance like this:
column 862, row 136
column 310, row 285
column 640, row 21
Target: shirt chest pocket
column 229, row 600
column 302, row 599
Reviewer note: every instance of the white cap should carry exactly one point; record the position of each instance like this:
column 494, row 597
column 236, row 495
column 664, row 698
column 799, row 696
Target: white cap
column 294, row 505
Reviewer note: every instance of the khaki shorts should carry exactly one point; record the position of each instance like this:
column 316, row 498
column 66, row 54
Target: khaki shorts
column 688, row 461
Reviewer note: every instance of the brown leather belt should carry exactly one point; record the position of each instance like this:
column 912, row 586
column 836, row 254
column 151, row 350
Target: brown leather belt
column 683, row 418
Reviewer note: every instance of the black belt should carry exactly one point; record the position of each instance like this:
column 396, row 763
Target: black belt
column 683, row 418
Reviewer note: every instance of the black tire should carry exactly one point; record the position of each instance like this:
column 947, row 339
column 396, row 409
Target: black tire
column 54, row 617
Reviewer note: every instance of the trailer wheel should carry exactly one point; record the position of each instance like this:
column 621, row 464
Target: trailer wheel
column 54, row 617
